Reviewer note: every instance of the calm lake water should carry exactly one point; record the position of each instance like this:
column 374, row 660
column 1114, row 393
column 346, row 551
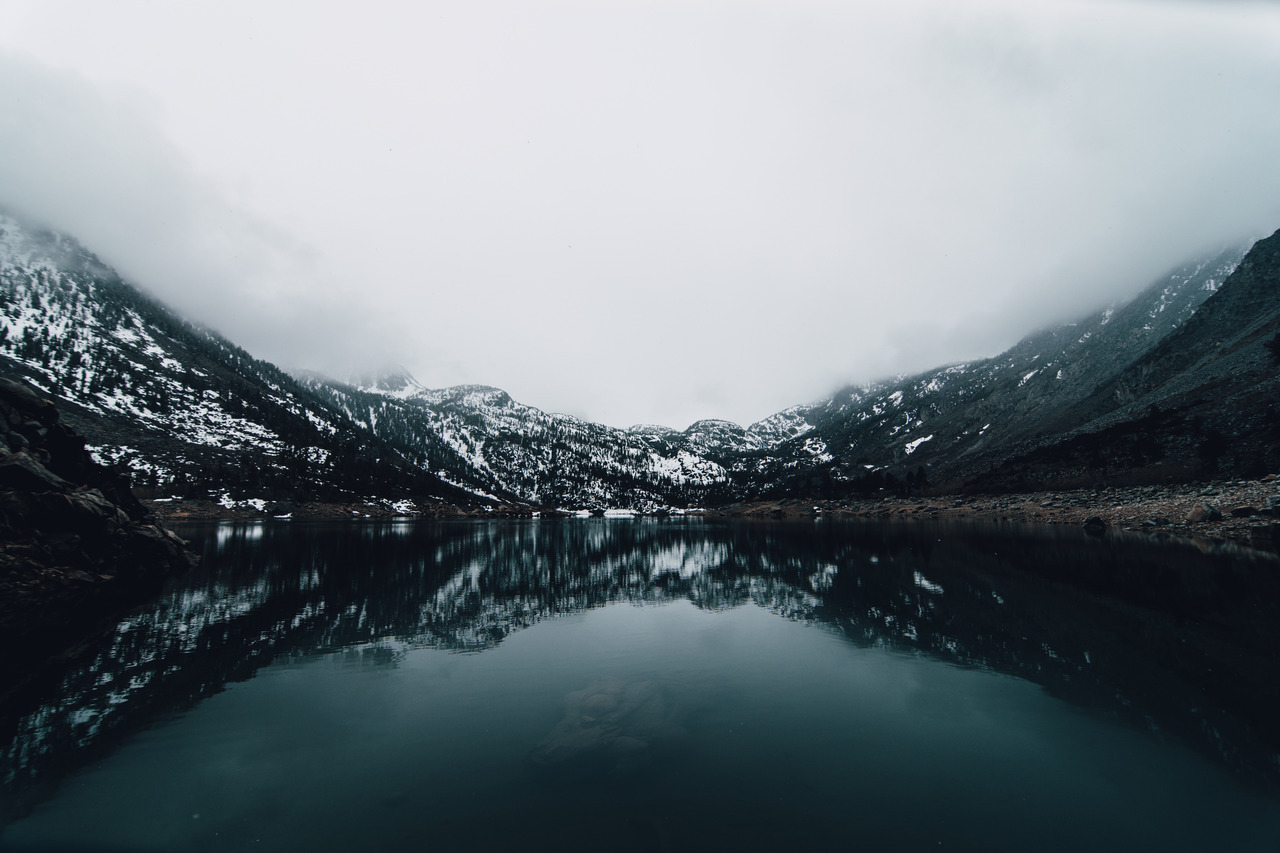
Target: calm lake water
column 666, row 685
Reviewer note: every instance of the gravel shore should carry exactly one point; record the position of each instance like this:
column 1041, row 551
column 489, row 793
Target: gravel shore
column 195, row 509
column 1246, row 512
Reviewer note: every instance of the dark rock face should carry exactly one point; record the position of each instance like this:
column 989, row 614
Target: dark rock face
column 74, row 541
column 1198, row 405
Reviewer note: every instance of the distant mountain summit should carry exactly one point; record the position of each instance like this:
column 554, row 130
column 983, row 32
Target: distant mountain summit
column 1175, row 383
column 392, row 381
column 518, row 453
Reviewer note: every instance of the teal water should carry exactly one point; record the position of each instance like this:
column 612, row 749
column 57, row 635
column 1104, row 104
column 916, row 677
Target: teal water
column 665, row 685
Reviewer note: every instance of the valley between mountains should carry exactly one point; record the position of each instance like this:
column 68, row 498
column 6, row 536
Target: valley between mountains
column 1172, row 393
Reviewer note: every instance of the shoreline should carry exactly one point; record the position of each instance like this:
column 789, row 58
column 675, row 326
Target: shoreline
column 1245, row 512
column 204, row 509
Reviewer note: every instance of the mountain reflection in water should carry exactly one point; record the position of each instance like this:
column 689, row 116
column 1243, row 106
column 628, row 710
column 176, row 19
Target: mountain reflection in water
column 1170, row 638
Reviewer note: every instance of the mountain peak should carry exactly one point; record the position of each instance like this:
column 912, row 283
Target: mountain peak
column 708, row 424
column 183, row 407
column 651, row 430
column 393, row 381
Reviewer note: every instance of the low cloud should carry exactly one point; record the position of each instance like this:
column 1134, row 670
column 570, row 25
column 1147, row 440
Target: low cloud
column 92, row 161
column 646, row 211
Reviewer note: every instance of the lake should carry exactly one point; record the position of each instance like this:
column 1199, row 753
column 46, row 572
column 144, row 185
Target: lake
column 666, row 684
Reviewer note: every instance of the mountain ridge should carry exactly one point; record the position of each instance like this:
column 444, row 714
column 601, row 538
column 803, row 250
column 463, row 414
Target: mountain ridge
column 167, row 400
column 182, row 408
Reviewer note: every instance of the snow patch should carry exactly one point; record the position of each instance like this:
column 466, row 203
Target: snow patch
column 927, row 585
column 911, row 446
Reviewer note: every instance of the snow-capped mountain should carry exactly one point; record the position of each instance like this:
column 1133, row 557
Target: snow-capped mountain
column 177, row 405
column 952, row 420
column 188, row 412
column 517, row 452
column 1201, row 402
column 945, row 423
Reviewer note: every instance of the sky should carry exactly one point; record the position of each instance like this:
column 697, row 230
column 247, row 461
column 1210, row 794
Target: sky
column 642, row 211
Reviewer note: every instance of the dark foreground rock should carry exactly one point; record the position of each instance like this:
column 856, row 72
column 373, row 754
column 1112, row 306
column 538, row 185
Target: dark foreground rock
column 75, row 544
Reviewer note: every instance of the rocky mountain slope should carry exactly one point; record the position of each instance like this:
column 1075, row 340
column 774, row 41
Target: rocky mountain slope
column 177, row 406
column 521, row 453
column 958, row 420
column 73, row 538
column 863, row 438
column 1201, row 403
column 189, row 413
column 897, row 435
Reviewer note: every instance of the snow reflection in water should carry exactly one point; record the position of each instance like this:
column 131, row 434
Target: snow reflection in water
column 915, row 621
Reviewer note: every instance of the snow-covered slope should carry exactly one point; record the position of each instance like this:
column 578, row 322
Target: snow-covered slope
column 180, row 407
column 519, row 452
column 184, row 409
column 864, row 438
column 952, row 419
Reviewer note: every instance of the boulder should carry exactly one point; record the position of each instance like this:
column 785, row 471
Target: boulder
column 1202, row 512
column 25, row 403
column 21, row 472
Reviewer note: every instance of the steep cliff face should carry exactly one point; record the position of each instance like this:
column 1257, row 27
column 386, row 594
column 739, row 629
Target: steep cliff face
column 74, row 541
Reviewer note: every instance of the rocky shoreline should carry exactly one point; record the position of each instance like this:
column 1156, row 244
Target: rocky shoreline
column 198, row 509
column 1245, row 512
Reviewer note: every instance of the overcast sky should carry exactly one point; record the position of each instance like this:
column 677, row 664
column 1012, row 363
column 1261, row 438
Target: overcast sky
column 641, row 211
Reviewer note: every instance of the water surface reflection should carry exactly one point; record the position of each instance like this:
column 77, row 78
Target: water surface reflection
column 1169, row 639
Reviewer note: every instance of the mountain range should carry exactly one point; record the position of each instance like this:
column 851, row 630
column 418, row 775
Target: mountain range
column 1178, row 383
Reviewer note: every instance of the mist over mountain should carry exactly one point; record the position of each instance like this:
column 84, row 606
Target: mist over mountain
column 734, row 211
column 176, row 405
column 1174, row 384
